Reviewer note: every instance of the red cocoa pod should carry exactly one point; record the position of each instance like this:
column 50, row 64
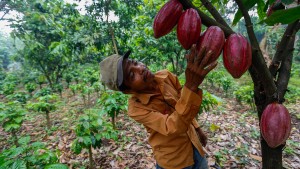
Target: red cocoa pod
column 270, row 11
column 166, row 18
column 212, row 39
column 275, row 124
column 237, row 55
column 188, row 28
column 274, row 7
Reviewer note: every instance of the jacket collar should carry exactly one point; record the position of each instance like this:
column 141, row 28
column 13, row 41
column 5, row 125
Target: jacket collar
column 160, row 79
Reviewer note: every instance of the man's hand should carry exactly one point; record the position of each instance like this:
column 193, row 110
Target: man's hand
column 202, row 136
column 198, row 66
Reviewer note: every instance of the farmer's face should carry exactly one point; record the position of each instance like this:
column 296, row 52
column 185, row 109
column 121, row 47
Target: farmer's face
column 137, row 76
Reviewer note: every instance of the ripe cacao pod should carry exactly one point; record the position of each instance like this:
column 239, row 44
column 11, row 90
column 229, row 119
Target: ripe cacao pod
column 274, row 7
column 188, row 28
column 237, row 55
column 275, row 124
column 167, row 17
column 212, row 39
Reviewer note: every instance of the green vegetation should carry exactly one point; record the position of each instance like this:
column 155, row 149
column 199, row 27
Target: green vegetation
column 28, row 155
column 92, row 128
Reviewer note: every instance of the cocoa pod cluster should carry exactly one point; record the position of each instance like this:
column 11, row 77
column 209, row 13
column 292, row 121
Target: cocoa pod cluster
column 237, row 56
column 275, row 124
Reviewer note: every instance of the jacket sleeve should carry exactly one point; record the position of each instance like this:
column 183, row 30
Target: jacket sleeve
column 178, row 122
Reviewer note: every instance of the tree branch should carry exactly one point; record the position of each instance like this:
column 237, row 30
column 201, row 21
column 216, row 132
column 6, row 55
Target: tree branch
column 258, row 61
column 206, row 20
column 2, row 4
column 212, row 10
column 3, row 15
column 279, row 56
column 286, row 65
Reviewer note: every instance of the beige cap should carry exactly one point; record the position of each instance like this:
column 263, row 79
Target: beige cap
column 112, row 72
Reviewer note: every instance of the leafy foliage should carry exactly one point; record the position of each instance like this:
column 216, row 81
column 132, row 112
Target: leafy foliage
column 209, row 102
column 292, row 94
column 44, row 104
column 11, row 116
column 284, row 16
column 43, row 92
column 27, row 155
column 91, row 129
column 30, row 87
column 245, row 94
column 68, row 78
column 56, row 166
column 113, row 103
column 47, row 30
column 8, row 88
column 21, row 97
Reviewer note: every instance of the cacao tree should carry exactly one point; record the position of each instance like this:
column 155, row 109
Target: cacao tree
column 112, row 104
column 68, row 78
column 11, row 118
column 45, row 104
column 51, row 33
column 270, row 83
column 30, row 87
column 20, row 97
column 30, row 154
column 90, row 131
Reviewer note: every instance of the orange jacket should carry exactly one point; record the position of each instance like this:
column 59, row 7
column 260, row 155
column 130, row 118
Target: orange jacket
column 169, row 118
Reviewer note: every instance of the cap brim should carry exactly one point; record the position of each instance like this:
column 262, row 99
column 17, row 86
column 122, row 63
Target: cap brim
column 120, row 68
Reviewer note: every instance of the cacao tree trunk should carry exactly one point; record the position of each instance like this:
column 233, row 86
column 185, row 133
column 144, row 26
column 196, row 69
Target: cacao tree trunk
column 15, row 137
column 84, row 102
column 91, row 160
column 272, row 157
column 113, row 121
column 89, row 100
column 48, row 120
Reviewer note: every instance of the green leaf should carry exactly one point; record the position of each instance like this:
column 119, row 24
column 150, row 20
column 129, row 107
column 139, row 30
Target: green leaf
column 86, row 125
column 284, row 16
column 18, row 119
column 8, row 127
column 56, row 166
column 287, row 2
column 24, row 140
column 238, row 15
column 98, row 136
column 19, row 164
column 271, row 1
column 36, row 145
column 261, row 9
column 87, row 140
column 16, row 151
column 76, row 146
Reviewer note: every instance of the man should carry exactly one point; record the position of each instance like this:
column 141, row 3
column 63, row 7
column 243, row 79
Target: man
column 166, row 109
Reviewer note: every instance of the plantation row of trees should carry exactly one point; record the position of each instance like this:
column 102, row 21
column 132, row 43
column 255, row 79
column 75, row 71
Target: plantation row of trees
column 51, row 40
